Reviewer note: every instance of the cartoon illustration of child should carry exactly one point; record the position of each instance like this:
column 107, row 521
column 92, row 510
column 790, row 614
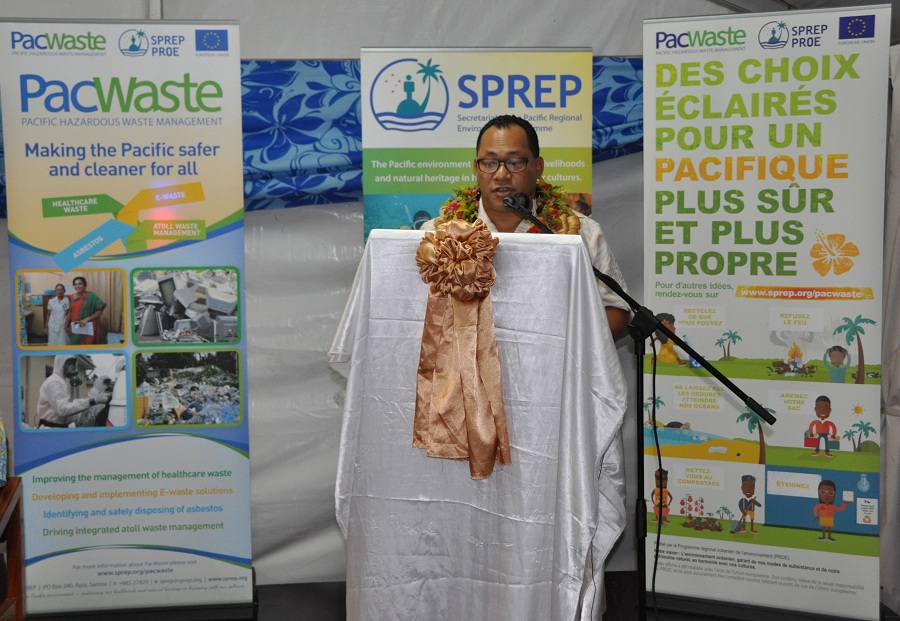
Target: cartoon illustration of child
column 747, row 505
column 667, row 351
column 825, row 510
column 837, row 361
column 822, row 428
column 661, row 497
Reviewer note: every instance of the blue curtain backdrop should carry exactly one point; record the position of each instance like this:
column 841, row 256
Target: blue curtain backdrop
column 303, row 139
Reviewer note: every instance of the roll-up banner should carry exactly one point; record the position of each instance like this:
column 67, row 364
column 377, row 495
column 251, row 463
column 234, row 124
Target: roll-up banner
column 764, row 186
column 125, row 201
column 422, row 110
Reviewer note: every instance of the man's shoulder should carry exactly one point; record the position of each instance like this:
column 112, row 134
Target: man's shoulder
column 429, row 225
column 588, row 224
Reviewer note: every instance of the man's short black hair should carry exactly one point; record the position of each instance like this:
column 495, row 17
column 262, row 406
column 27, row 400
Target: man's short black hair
column 505, row 121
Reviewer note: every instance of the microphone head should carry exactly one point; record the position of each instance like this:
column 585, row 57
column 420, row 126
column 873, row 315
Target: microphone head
column 518, row 202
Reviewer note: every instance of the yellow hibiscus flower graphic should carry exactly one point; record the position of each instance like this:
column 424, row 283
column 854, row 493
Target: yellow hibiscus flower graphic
column 832, row 252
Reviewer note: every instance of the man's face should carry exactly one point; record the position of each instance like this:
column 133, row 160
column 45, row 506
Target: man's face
column 70, row 368
column 749, row 488
column 662, row 480
column 823, row 409
column 826, row 494
column 502, row 144
column 837, row 357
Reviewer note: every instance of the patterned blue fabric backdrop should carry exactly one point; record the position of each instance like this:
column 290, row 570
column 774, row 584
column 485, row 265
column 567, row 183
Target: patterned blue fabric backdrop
column 303, row 139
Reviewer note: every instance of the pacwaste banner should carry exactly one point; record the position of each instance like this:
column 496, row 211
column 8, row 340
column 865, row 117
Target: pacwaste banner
column 764, row 173
column 124, row 182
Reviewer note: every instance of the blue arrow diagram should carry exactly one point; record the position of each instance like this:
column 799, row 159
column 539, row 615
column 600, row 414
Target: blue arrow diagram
column 82, row 250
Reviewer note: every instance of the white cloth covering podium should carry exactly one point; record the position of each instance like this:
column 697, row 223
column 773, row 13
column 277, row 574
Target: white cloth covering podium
column 424, row 540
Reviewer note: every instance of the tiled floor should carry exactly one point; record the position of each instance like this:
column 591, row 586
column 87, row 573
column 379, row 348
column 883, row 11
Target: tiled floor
column 325, row 602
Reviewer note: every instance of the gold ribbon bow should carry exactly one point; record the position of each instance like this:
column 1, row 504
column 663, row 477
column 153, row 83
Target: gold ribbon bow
column 459, row 401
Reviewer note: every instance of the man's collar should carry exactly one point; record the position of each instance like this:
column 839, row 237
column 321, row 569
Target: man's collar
column 522, row 227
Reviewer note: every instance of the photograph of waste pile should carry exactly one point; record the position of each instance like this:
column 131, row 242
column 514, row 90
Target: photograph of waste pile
column 187, row 388
column 185, row 306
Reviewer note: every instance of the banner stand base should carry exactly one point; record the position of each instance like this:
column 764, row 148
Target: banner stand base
column 726, row 610
column 225, row 612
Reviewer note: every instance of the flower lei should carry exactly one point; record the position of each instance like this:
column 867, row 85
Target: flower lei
column 552, row 207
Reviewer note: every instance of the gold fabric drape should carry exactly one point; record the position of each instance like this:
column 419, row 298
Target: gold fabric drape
column 459, row 400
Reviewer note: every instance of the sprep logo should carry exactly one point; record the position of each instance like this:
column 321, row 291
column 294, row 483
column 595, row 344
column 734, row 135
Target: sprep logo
column 773, row 36
column 133, row 42
column 410, row 96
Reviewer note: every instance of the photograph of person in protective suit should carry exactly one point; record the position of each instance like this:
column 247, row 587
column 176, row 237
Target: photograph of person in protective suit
column 57, row 408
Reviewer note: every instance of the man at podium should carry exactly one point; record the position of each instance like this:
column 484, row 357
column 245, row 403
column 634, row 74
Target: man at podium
column 507, row 162
column 425, row 538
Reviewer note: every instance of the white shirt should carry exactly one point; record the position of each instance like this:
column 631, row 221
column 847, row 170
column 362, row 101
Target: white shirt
column 58, row 309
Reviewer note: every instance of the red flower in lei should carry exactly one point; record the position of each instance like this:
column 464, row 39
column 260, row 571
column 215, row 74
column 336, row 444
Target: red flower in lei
column 552, row 205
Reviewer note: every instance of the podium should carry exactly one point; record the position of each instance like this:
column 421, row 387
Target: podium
column 424, row 540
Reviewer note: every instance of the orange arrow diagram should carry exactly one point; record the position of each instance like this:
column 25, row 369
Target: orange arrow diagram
column 160, row 197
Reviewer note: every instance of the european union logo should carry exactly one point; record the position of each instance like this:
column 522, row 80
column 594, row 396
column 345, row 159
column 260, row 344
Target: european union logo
column 857, row 27
column 212, row 40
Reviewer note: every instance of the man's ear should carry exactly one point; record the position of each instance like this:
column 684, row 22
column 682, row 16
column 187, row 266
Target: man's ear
column 539, row 167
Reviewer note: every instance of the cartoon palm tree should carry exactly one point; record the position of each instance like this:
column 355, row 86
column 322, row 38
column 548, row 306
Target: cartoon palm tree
column 781, row 28
column 721, row 343
column 850, row 435
column 723, row 512
column 755, row 423
column 656, row 403
column 864, row 428
column 429, row 72
column 854, row 328
column 732, row 337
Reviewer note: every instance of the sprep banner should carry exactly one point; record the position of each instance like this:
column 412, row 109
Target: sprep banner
column 764, row 194
column 123, row 168
column 422, row 110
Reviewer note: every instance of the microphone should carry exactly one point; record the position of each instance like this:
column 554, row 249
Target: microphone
column 520, row 203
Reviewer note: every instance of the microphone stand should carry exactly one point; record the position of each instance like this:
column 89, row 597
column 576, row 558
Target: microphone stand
column 643, row 324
